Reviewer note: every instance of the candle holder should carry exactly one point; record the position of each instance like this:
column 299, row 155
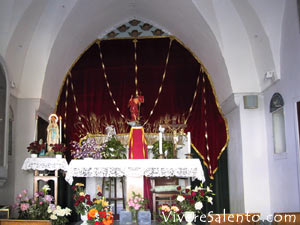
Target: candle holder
column 189, row 156
column 161, row 156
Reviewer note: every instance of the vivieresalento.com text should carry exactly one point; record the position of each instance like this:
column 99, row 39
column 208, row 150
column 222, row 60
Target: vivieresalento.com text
column 238, row 218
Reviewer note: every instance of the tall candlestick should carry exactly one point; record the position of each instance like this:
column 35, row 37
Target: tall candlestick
column 35, row 127
column 189, row 142
column 60, row 133
column 160, row 143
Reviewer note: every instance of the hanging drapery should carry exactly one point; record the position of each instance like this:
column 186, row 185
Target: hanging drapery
column 173, row 82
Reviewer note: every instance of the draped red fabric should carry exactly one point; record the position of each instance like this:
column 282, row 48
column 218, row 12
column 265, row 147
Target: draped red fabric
column 85, row 93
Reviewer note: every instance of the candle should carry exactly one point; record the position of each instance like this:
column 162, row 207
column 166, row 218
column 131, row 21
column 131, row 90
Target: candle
column 189, row 142
column 35, row 127
column 60, row 133
column 160, row 143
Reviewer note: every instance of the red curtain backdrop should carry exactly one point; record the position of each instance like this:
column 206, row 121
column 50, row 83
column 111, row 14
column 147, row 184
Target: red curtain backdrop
column 86, row 105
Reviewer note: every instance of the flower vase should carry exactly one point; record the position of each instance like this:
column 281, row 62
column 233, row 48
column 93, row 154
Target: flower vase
column 189, row 217
column 33, row 155
column 58, row 156
column 84, row 219
column 134, row 217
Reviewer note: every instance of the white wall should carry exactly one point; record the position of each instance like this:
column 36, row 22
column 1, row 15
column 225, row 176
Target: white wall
column 248, row 168
column 284, row 175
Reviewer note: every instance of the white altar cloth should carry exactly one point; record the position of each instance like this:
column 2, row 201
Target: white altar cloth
column 135, row 168
column 41, row 164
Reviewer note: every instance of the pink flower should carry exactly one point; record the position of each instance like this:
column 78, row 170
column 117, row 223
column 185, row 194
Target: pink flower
column 41, row 203
column 19, row 195
column 25, row 191
column 36, row 195
column 137, row 206
column 24, row 206
column 48, row 198
column 26, row 199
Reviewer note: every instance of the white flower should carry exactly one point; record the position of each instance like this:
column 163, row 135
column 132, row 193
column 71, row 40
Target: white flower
column 208, row 189
column 188, row 187
column 196, row 189
column 180, row 198
column 68, row 211
column 46, row 188
column 209, row 199
column 198, row 205
column 53, row 217
column 60, row 212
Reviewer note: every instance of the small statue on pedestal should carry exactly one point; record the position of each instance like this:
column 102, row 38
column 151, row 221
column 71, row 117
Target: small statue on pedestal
column 134, row 107
column 52, row 132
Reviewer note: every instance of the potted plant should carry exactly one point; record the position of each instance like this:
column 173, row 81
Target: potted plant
column 35, row 148
column 86, row 149
column 167, row 148
column 96, row 211
column 113, row 149
column 58, row 149
column 40, row 207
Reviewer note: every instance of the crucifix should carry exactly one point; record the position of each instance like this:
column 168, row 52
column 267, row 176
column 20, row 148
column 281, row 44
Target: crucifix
column 176, row 129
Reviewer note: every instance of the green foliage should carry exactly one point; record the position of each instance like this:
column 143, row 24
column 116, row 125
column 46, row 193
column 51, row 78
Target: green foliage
column 113, row 149
column 167, row 147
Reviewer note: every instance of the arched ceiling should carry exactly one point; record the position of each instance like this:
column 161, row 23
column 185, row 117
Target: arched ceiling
column 237, row 41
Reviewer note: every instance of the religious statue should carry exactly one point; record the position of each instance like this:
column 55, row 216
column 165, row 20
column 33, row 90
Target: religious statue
column 134, row 105
column 52, row 132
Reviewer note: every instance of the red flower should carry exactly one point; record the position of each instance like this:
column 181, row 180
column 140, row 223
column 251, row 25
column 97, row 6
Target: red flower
column 192, row 201
column 81, row 198
column 174, row 197
column 88, row 197
column 178, row 188
column 99, row 194
column 188, row 197
column 74, row 187
column 89, row 202
column 102, row 214
column 201, row 193
column 193, row 194
column 187, row 190
column 76, row 203
column 94, row 199
column 98, row 223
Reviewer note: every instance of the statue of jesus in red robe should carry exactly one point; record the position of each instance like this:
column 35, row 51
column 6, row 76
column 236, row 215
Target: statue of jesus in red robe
column 133, row 104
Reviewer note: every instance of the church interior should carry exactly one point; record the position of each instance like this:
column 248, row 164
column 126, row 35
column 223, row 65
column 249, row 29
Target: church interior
column 123, row 112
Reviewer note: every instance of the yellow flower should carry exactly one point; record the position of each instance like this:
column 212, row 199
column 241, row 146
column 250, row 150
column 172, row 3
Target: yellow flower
column 104, row 203
column 98, row 201
column 98, row 188
column 82, row 194
column 79, row 185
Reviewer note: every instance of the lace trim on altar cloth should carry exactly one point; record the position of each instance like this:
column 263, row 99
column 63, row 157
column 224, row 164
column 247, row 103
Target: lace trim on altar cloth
column 45, row 164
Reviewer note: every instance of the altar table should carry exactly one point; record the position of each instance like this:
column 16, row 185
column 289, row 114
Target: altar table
column 134, row 170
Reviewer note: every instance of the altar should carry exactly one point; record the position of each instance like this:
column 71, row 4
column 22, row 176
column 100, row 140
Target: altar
column 134, row 170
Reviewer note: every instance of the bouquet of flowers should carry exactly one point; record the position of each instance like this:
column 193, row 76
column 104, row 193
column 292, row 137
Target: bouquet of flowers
column 58, row 148
column 136, row 203
column 97, row 210
column 192, row 199
column 170, row 214
column 88, row 148
column 35, row 147
column 40, row 207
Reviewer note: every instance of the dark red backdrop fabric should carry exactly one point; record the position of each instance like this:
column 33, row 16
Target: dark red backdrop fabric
column 180, row 84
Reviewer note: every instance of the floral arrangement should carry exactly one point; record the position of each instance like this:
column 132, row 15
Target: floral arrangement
column 97, row 210
column 58, row 148
column 35, row 147
column 167, row 148
column 136, row 203
column 192, row 199
column 87, row 149
column 113, row 149
column 40, row 207
column 170, row 214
